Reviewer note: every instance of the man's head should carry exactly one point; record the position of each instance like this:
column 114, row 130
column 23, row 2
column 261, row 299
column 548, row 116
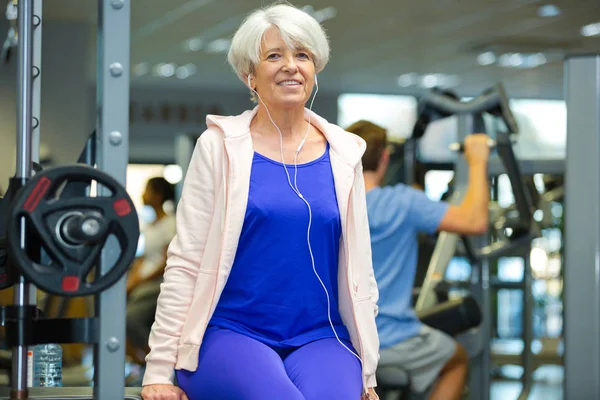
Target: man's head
column 377, row 156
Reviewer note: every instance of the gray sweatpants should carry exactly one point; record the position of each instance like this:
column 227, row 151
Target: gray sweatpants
column 422, row 357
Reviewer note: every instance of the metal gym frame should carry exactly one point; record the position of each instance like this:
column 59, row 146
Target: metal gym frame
column 437, row 105
column 28, row 141
column 582, row 229
column 112, row 139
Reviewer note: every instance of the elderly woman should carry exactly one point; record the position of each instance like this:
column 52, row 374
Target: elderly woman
column 268, row 291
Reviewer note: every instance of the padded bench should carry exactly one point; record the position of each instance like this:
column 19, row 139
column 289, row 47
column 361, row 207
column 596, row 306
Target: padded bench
column 68, row 393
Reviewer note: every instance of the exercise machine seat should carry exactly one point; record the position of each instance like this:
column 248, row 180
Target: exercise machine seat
column 454, row 316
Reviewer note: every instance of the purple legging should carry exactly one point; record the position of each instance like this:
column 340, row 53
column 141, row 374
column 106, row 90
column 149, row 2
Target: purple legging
column 235, row 367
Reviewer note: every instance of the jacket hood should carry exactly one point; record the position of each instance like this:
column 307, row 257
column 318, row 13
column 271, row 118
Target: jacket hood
column 347, row 146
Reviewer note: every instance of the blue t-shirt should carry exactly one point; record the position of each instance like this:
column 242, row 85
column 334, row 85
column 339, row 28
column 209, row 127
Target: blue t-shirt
column 396, row 215
column 272, row 293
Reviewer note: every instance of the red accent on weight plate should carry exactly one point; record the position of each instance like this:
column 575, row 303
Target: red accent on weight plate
column 70, row 283
column 122, row 207
column 36, row 194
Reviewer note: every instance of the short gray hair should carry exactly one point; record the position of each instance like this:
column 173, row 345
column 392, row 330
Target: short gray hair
column 298, row 30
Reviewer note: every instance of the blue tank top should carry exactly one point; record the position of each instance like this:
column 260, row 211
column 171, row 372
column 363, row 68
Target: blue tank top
column 272, row 293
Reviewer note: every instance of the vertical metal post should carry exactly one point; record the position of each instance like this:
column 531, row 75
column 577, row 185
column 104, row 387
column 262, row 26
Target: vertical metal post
column 479, row 371
column 184, row 148
column 36, row 85
column 112, row 146
column 527, row 356
column 582, row 229
column 23, row 170
column 410, row 151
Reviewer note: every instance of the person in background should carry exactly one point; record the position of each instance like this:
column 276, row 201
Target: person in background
column 269, row 290
column 435, row 362
column 145, row 275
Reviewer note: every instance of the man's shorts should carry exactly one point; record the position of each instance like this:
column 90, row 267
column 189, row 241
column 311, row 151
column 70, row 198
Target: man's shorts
column 422, row 357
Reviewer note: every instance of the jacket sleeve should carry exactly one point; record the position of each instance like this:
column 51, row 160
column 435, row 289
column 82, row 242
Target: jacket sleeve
column 184, row 256
column 366, row 236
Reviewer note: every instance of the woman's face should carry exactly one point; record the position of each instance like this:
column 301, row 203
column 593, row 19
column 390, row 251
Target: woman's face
column 150, row 197
column 284, row 77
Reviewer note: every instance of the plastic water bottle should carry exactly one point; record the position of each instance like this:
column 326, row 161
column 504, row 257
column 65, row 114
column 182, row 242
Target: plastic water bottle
column 47, row 365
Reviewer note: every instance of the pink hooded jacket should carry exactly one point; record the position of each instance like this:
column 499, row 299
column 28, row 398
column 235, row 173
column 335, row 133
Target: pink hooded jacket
column 210, row 216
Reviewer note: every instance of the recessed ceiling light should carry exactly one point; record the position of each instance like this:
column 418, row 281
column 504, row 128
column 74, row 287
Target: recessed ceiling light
column 308, row 9
column 185, row 71
column 537, row 59
column 487, row 58
column 164, row 70
column 548, row 10
column 141, row 69
column 325, row 14
column 193, row 44
column 408, row 80
column 218, row 46
column 522, row 60
column 172, row 173
column 591, row 30
column 322, row 15
column 430, row 81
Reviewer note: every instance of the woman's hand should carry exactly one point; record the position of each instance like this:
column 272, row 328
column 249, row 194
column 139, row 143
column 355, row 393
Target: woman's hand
column 370, row 395
column 163, row 392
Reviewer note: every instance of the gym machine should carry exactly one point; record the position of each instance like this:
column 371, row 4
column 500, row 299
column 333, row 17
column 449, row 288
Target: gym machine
column 71, row 230
column 582, row 229
column 459, row 316
column 479, row 251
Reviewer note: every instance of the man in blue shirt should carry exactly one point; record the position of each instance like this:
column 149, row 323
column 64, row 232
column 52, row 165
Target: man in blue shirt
column 435, row 362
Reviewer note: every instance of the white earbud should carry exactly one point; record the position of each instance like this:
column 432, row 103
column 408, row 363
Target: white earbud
column 316, row 82
column 249, row 81
column 301, row 144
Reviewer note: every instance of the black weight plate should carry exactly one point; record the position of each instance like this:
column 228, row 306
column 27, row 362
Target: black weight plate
column 5, row 277
column 39, row 199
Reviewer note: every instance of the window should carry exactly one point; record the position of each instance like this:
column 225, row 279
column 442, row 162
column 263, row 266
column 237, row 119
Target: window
column 436, row 183
column 542, row 126
column 395, row 113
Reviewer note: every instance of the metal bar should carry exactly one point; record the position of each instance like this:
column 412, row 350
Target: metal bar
column 112, row 147
column 184, row 148
column 23, row 171
column 527, row 355
column 479, row 372
column 410, row 157
column 445, row 248
column 36, row 100
column 528, row 167
column 522, row 198
column 24, row 88
column 582, row 229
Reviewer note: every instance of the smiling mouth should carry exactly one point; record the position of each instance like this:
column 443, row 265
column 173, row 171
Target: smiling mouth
column 290, row 82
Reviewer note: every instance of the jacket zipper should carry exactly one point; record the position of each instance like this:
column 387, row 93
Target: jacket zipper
column 351, row 273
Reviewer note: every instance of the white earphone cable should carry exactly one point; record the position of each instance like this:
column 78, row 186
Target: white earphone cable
column 299, row 194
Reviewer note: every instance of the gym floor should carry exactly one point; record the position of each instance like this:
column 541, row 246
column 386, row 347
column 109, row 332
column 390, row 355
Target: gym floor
column 504, row 390
column 548, row 384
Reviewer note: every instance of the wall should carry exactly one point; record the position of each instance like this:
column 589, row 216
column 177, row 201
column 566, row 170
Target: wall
column 69, row 112
column 158, row 115
column 65, row 99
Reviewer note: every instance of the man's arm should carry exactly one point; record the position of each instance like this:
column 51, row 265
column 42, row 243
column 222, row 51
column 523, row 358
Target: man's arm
column 133, row 276
column 470, row 217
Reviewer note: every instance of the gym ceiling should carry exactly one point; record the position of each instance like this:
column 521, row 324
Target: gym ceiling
column 378, row 46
